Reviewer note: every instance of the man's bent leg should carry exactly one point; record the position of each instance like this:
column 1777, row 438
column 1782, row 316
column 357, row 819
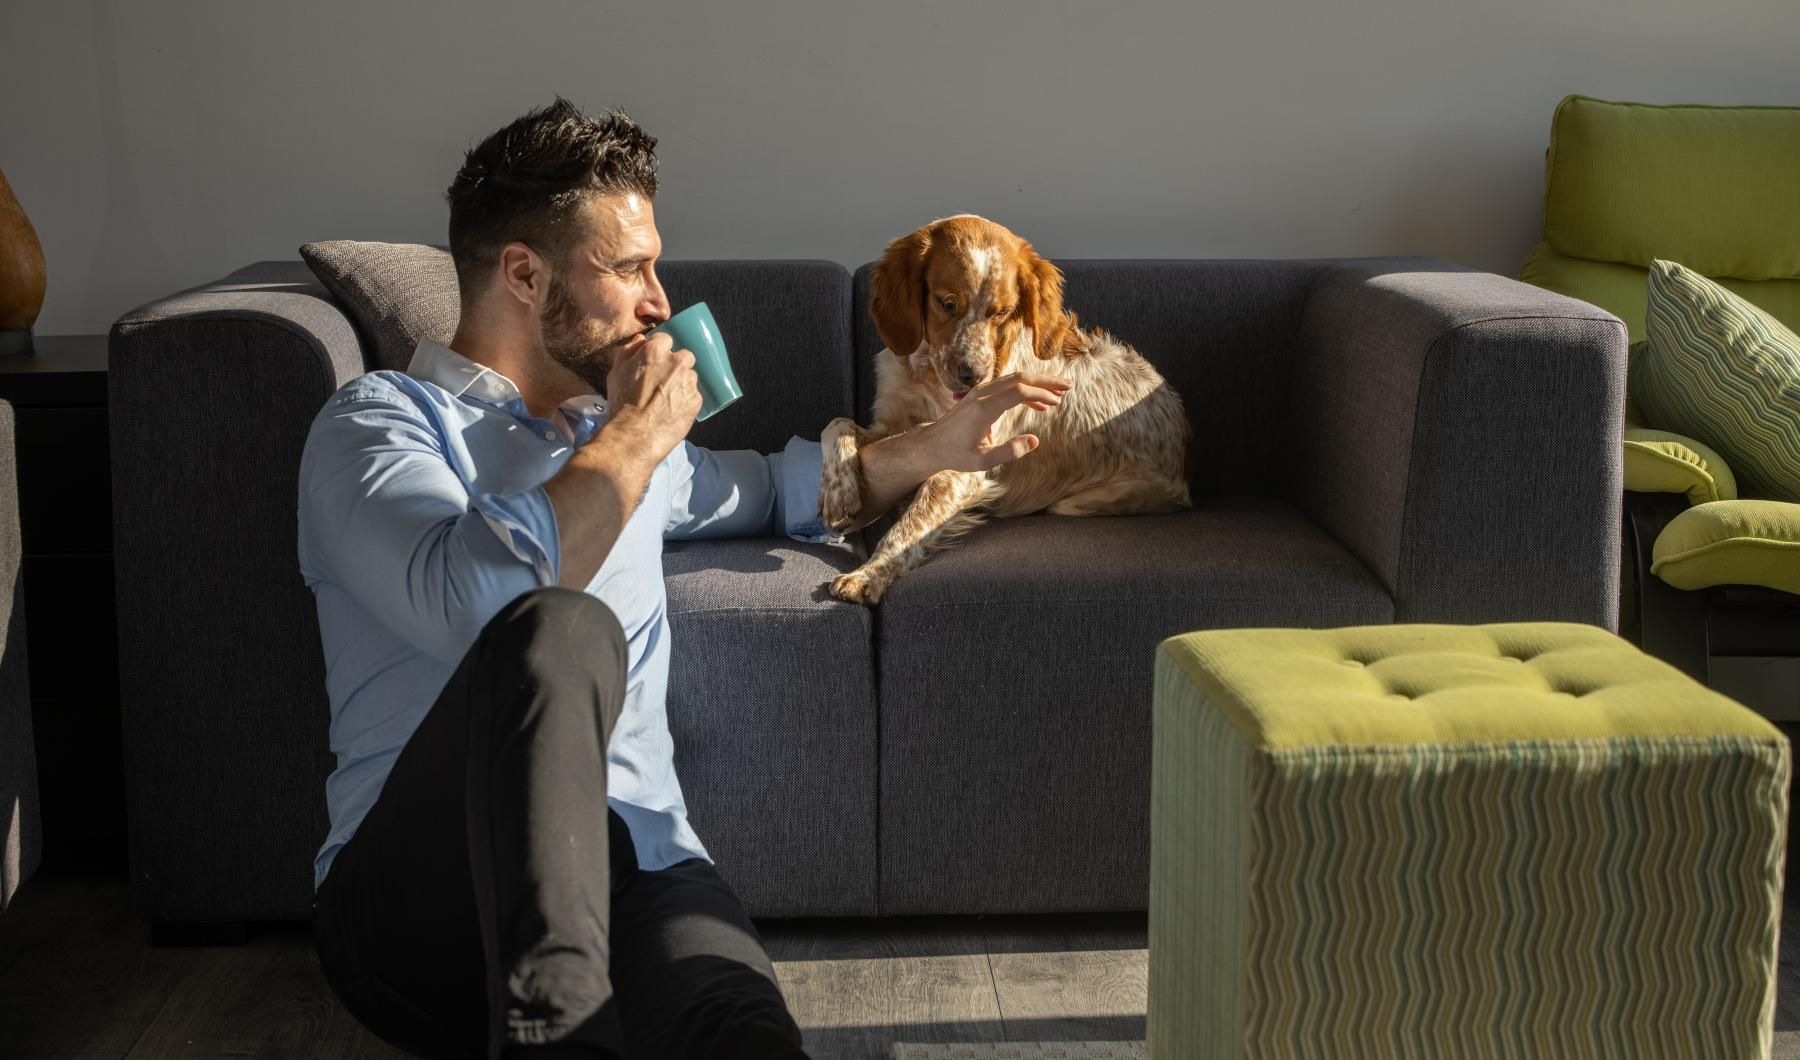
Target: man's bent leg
column 538, row 832
column 469, row 911
column 692, row 976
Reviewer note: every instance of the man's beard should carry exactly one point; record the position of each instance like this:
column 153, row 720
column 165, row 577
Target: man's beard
column 578, row 343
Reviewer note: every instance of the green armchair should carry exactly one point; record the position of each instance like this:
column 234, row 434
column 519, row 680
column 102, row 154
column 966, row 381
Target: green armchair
column 1712, row 571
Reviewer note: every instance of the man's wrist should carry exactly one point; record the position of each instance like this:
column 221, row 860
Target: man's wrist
column 898, row 463
column 621, row 451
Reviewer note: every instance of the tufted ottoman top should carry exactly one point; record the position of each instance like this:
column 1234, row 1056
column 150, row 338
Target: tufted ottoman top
column 1425, row 684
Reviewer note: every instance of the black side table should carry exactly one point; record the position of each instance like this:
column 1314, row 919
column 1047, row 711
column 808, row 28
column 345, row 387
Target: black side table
column 65, row 514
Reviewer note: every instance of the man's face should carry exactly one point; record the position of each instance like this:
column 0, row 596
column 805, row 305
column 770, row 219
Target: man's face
column 606, row 295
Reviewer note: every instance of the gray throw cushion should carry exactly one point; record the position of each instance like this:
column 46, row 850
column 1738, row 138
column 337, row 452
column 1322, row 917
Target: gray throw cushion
column 395, row 293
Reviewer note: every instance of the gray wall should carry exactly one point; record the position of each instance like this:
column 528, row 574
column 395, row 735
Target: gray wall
column 157, row 145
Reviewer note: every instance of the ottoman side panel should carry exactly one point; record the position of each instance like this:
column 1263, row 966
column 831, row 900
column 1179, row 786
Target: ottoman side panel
column 1601, row 898
column 1202, row 771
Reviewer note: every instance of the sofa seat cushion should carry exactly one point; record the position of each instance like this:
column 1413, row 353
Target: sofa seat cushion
column 1620, row 289
column 772, row 708
column 1741, row 542
column 1015, row 691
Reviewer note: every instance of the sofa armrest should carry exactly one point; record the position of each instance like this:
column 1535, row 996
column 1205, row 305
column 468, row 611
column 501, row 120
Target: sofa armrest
column 1459, row 433
column 211, row 393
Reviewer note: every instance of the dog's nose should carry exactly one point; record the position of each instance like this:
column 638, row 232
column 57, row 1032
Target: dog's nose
column 966, row 379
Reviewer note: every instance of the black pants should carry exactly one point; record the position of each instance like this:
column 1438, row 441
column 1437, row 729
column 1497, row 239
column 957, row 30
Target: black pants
column 490, row 903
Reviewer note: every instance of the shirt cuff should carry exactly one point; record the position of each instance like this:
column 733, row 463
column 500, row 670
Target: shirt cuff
column 796, row 472
column 526, row 524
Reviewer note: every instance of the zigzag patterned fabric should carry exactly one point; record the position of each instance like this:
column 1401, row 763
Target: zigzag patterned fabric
column 1721, row 370
column 1521, row 841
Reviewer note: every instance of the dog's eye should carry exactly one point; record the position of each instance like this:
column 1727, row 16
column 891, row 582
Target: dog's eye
column 1001, row 314
column 948, row 305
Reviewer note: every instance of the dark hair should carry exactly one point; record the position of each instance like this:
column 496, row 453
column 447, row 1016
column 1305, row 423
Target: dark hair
column 528, row 181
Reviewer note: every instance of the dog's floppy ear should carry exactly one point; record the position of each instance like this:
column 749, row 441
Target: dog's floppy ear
column 1041, row 305
column 897, row 295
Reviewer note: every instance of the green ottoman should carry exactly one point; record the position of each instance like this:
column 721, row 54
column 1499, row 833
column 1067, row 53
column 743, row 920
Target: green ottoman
column 1525, row 840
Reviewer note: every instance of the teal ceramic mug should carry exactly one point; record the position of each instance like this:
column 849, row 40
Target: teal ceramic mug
column 695, row 330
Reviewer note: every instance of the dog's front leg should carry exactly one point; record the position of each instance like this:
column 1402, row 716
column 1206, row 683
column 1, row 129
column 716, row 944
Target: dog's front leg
column 840, row 473
column 940, row 507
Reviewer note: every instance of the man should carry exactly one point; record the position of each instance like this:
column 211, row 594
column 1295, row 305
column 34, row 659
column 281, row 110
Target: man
column 510, row 870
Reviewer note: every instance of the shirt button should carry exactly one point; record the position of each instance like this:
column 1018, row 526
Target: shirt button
column 549, row 436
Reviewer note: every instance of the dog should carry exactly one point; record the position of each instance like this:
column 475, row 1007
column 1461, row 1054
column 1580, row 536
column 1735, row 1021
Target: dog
column 963, row 301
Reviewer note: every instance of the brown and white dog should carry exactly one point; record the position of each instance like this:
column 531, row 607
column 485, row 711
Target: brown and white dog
column 962, row 301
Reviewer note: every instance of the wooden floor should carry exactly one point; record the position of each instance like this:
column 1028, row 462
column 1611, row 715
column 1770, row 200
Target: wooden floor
column 77, row 979
column 857, row 987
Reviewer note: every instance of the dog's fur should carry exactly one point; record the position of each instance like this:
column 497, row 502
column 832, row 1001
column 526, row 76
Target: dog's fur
column 962, row 301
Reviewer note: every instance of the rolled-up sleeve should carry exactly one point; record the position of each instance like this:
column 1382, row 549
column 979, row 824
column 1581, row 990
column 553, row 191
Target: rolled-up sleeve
column 526, row 524
column 388, row 520
column 741, row 493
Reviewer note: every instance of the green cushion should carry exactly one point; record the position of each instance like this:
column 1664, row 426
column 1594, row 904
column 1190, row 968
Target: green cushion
column 1665, row 462
column 1445, row 685
column 1440, row 841
column 1731, row 543
column 1620, row 289
column 1712, row 187
column 1719, row 369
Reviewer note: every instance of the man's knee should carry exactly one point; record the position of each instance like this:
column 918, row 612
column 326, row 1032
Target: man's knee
column 559, row 637
column 554, row 610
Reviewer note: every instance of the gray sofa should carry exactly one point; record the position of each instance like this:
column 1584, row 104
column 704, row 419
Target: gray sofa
column 1379, row 440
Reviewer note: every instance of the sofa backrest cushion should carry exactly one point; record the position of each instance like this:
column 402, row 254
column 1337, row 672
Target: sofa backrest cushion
column 786, row 325
column 1224, row 334
column 1714, row 188
column 1710, row 187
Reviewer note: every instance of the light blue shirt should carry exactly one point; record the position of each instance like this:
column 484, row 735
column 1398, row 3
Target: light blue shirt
column 423, row 513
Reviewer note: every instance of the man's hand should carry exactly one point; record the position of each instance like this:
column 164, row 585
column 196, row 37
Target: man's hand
column 653, row 395
column 962, row 440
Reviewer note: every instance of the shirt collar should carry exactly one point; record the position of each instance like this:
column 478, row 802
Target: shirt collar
column 437, row 363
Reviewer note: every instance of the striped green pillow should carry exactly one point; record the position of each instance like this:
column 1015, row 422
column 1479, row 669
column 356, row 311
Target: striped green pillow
column 1721, row 370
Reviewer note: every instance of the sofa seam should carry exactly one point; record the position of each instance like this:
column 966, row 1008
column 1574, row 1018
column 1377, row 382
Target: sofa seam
column 774, row 609
column 1108, row 600
column 1774, row 544
column 1603, row 318
column 1382, row 751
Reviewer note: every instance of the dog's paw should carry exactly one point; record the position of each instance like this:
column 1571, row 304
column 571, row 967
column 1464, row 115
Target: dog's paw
column 840, row 477
column 859, row 587
column 840, row 499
